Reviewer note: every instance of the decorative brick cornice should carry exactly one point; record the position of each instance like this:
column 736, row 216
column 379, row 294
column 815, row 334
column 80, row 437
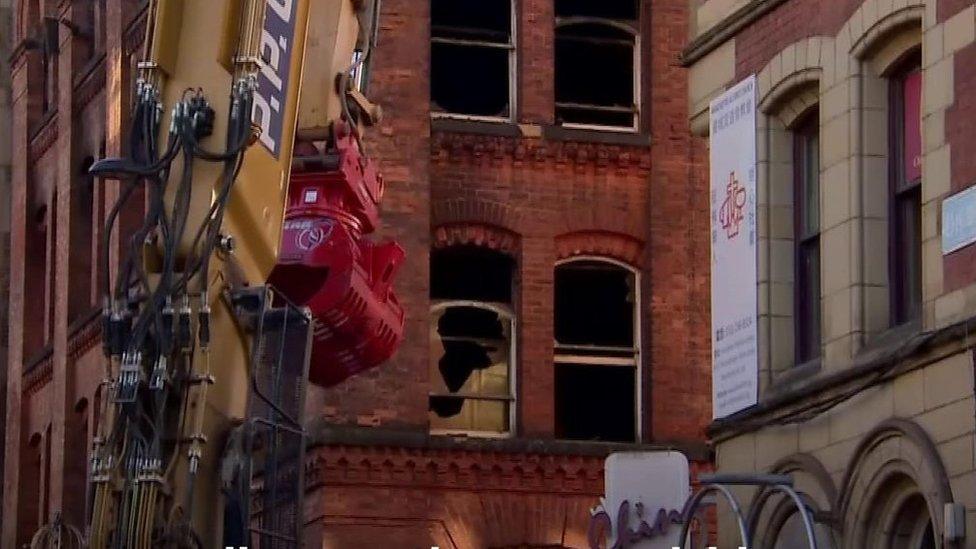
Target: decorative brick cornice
column 38, row 375
column 90, row 84
column 135, row 34
column 475, row 148
column 43, row 137
column 84, row 337
column 454, row 469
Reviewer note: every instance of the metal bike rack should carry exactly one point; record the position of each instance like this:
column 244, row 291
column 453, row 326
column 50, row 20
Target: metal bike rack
column 720, row 484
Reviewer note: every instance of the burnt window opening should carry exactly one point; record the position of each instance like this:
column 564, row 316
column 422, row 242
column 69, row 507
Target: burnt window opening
column 472, row 58
column 621, row 10
column 596, row 351
column 471, row 350
column 594, row 305
column 471, row 341
column 593, row 403
column 596, row 60
column 471, row 273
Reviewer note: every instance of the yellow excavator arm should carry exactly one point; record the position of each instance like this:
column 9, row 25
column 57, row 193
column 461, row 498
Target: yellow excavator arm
column 201, row 444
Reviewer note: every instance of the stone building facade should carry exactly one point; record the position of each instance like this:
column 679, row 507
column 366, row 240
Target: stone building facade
column 864, row 141
column 555, row 284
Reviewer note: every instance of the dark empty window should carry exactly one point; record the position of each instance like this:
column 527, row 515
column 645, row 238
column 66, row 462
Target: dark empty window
column 472, row 57
column 596, row 351
column 905, row 259
column 596, row 62
column 806, row 211
column 81, row 260
column 472, row 341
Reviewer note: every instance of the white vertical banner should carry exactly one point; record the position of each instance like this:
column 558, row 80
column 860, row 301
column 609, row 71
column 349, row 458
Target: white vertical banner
column 735, row 349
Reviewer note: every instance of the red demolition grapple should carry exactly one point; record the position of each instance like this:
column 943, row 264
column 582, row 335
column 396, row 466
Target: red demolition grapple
column 327, row 263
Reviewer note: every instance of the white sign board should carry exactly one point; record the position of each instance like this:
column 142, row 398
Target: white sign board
column 959, row 220
column 645, row 494
column 735, row 350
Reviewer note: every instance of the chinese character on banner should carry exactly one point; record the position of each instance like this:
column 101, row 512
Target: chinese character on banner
column 730, row 213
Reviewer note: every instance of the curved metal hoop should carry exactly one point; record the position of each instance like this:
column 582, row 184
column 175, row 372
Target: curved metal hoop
column 803, row 509
column 718, row 484
column 691, row 508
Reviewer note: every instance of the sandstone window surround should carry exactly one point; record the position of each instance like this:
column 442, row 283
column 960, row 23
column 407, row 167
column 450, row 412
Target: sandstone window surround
column 852, row 86
column 473, row 345
column 790, row 195
column 887, row 273
column 597, row 61
column 473, row 60
column 597, row 353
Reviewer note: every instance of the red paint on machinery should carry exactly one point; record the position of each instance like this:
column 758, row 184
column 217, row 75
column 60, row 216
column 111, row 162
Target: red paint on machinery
column 328, row 264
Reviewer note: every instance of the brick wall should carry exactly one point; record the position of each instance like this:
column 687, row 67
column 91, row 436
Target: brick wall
column 790, row 22
column 644, row 205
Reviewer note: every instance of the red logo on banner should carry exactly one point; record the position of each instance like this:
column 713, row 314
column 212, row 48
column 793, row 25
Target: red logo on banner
column 730, row 214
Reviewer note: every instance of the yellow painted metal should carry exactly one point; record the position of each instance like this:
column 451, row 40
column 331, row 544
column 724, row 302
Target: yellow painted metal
column 256, row 206
column 331, row 41
column 197, row 44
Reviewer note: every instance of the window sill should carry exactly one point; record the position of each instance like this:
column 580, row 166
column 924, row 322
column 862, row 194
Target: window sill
column 501, row 128
column 885, row 340
column 464, row 435
column 793, row 378
column 624, row 136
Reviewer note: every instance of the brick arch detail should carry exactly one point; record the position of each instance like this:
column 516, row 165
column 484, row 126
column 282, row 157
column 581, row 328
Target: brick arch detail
column 600, row 218
column 475, row 211
column 601, row 243
column 479, row 234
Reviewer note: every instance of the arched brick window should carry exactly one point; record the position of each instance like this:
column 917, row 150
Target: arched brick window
column 472, row 341
column 596, row 325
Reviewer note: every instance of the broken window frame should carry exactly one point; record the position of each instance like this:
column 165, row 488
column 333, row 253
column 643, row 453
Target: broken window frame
column 512, row 70
column 505, row 313
column 630, row 27
column 589, row 355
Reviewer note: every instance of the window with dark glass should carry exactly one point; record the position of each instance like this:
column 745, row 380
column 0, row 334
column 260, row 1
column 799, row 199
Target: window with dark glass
column 472, row 56
column 472, row 341
column 596, row 351
column 81, row 235
column 806, row 211
column 905, row 229
column 596, row 60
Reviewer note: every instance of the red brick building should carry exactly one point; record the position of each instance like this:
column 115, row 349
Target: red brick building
column 554, row 211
